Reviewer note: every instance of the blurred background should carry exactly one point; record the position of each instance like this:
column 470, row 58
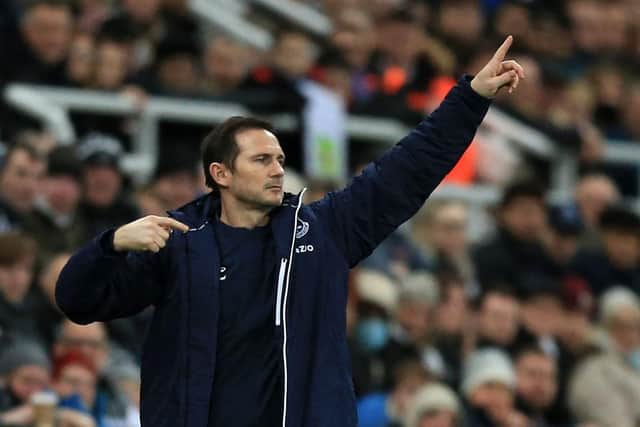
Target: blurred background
column 511, row 299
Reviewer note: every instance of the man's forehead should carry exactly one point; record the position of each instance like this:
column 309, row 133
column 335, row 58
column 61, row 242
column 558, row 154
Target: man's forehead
column 257, row 140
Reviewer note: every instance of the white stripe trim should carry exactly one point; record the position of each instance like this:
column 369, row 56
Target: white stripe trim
column 284, row 309
column 283, row 265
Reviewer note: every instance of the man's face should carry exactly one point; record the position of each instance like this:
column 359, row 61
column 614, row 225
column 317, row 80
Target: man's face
column 625, row 329
column 449, row 229
column 293, row 55
column 27, row 380
column 622, row 248
column 48, row 31
column 225, row 63
column 15, row 279
column 90, row 340
column 414, row 318
column 499, row 316
column 258, row 174
column 102, row 185
column 536, row 380
column 525, row 218
column 542, row 315
column 20, row 180
column 62, row 192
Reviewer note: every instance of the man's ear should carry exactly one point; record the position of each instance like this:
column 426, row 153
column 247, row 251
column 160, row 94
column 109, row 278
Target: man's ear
column 220, row 173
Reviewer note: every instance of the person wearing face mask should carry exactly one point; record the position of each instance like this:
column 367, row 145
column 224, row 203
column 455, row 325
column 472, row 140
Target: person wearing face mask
column 377, row 300
column 605, row 388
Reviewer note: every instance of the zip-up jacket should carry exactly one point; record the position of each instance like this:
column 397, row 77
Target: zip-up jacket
column 316, row 245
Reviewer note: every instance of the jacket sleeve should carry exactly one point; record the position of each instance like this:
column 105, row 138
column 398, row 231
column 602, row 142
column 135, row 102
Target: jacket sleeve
column 99, row 284
column 393, row 188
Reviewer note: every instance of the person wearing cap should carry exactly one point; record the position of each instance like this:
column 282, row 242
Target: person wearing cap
column 488, row 389
column 411, row 331
column 249, row 283
column 605, row 388
column 434, row 405
column 55, row 223
column 25, row 369
column 105, row 204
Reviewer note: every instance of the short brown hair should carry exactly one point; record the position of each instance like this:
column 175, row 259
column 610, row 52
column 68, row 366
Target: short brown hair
column 15, row 247
column 221, row 146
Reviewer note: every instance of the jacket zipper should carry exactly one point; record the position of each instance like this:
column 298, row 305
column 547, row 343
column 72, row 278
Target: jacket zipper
column 281, row 274
column 284, row 308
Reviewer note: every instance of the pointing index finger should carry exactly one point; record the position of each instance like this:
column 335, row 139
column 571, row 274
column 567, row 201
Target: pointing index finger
column 172, row 223
column 503, row 49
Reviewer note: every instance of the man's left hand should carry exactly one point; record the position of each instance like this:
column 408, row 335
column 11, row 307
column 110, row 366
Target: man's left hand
column 498, row 73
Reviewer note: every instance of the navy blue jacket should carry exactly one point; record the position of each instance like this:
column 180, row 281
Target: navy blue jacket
column 316, row 245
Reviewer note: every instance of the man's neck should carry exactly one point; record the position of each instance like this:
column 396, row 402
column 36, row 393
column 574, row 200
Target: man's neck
column 236, row 214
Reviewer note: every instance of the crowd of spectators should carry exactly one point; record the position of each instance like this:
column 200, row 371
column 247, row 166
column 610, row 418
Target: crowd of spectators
column 537, row 323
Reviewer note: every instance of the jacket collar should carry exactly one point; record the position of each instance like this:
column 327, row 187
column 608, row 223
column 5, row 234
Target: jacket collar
column 200, row 210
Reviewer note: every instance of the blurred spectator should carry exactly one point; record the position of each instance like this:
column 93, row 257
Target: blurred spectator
column 274, row 87
column 541, row 312
column 226, row 64
column 536, row 384
column 80, row 64
column 49, row 315
column 460, row 25
column 55, row 223
column 618, row 261
column 112, row 63
column 451, row 323
column 39, row 52
column 399, row 71
column 74, row 380
column 20, row 174
column 593, row 193
column 377, row 298
column 397, row 256
column 176, row 70
column 488, row 388
column 91, row 14
column 562, row 241
column 631, row 111
column 140, row 19
column 434, row 405
column 389, row 409
column 516, row 250
column 498, row 319
column 440, row 229
column 91, row 341
column 18, row 304
column 25, row 369
column 412, row 329
column 605, row 388
column 174, row 183
column 105, row 203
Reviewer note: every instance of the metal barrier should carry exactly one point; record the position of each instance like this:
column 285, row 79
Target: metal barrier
column 52, row 104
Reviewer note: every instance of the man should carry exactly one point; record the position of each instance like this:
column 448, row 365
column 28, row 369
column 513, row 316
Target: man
column 55, row 222
column 250, row 297
column 498, row 319
column 39, row 53
column 516, row 250
column 20, row 174
column 488, row 389
column 605, row 388
column 536, row 384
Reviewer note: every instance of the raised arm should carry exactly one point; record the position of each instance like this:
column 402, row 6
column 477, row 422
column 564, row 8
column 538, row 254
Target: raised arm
column 390, row 190
column 117, row 274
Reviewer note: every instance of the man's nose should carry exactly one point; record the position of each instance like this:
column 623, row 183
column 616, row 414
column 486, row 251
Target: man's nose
column 277, row 169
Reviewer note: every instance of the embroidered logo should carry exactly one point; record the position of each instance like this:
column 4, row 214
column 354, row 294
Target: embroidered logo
column 302, row 228
column 223, row 273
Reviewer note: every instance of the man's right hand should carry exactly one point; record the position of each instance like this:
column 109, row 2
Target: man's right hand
column 146, row 234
